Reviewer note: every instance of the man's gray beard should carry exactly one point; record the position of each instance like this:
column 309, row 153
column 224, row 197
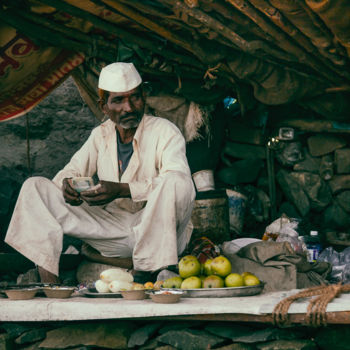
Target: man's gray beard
column 130, row 124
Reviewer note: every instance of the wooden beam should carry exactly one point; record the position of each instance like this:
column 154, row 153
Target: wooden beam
column 141, row 41
column 154, row 27
column 284, row 41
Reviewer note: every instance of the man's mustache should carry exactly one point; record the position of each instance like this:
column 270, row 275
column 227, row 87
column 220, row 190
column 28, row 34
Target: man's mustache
column 128, row 115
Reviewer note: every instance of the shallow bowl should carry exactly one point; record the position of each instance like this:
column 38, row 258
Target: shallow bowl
column 165, row 296
column 133, row 294
column 58, row 292
column 21, row 294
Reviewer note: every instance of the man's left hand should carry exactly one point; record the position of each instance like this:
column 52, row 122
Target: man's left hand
column 105, row 192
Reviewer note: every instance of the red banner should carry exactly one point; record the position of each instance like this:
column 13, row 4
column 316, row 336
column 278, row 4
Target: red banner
column 28, row 73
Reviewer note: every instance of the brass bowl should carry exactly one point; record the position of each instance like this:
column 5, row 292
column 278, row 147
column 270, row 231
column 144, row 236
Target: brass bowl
column 21, row 294
column 133, row 294
column 165, row 296
column 58, row 292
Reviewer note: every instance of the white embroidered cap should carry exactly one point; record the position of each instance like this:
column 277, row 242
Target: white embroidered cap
column 119, row 77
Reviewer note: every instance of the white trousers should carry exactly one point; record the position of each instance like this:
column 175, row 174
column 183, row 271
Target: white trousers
column 153, row 236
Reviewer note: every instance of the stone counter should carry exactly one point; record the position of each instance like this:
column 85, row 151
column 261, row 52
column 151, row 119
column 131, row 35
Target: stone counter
column 82, row 308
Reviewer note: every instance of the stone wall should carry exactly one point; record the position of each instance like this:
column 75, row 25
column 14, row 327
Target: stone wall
column 169, row 335
column 58, row 126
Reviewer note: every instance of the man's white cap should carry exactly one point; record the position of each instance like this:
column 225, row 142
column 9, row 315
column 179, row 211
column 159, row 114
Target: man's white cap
column 119, row 77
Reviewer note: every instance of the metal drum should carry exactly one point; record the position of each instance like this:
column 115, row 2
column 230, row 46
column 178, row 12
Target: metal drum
column 210, row 217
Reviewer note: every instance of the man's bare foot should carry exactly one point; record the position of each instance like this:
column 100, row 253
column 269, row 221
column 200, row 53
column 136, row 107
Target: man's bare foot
column 46, row 276
column 95, row 256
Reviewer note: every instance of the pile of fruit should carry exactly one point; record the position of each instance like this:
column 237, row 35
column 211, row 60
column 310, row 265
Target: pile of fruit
column 214, row 273
column 116, row 280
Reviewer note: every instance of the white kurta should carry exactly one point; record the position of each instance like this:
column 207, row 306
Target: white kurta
column 153, row 226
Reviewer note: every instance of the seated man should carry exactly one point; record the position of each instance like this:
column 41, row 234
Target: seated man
column 138, row 216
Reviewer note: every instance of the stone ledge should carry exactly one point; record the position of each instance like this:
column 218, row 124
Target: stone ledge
column 79, row 308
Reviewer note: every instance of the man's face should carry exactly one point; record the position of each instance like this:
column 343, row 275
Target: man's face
column 126, row 108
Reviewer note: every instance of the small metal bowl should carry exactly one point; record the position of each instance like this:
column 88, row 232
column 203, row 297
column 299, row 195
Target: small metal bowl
column 133, row 294
column 58, row 292
column 21, row 294
column 165, row 296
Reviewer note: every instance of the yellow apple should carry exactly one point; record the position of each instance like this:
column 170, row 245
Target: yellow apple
column 221, row 266
column 207, row 267
column 193, row 282
column 189, row 266
column 251, row 280
column 137, row 286
column 213, row 281
column 173, row 282
column 234, row 280
column 246, row 273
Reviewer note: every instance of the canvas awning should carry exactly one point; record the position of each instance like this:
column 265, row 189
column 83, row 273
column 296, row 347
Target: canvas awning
column 276, row 52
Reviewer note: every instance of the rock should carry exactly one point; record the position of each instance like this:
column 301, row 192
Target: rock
column 343, row 199
column 110, row 335
column 237, row 346
column 322, row 144
column 335, row 338
column 293, row 191
column 342, row 160
column 228, row 331
column 289, row 153
column 316, row 189
column 35, row 346
column 6, row 342
column 266, row 334
column 300, row 344
column 309, row 163
column 190, row 339
column 14, row 329
column 174, row 326
column 141, row 335
column 31, row 336
column 339, row 183
column 150, row 345
column 327, row 167
column 31, row 276
column 336, row 217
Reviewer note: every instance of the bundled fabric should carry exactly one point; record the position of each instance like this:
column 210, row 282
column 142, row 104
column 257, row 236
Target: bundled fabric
column 279, row 266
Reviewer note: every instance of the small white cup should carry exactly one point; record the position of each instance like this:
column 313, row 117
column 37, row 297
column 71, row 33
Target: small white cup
column 204, row 180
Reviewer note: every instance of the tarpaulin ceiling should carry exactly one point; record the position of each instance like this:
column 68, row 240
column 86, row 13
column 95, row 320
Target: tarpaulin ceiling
column 279, row 51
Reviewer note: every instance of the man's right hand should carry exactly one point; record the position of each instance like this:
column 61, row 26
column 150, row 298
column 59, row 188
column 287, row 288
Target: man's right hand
column 71, row 196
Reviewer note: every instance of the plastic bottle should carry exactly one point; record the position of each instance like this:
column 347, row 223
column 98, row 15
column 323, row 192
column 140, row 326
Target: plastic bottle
column 313, row 245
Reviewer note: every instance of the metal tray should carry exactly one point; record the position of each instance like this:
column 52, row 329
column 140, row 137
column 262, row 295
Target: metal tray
column 93, row 293
column 223, row 292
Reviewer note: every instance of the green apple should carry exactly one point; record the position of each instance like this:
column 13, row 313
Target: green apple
column 173, row 282
column 193, row 282
column 221, row 266
column 213, row 281
column 189, row 266
column 207, row 267
column 251, row 280
column 234, row 280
